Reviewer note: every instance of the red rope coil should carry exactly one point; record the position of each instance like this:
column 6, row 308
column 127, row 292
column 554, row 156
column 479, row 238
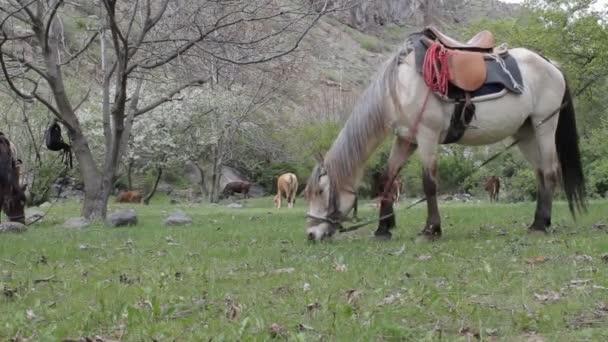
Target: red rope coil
column 435, row 69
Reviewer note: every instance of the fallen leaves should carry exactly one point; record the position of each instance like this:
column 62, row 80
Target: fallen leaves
column 398, row 252
column 548, row 296
column 233, row 309
column 277, row 331
column 468, row 333
column 390, row 299
column 303, row 328
column 583, row 257
column 283, row 270
column 353, row 296
column 313, row 307
column 424, row 257
column 340, row 268
column 537, row 260
column 89, row 339
column 595, row 317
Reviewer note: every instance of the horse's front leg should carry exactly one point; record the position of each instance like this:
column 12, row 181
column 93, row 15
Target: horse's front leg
column 402, row 149
column 428, row 154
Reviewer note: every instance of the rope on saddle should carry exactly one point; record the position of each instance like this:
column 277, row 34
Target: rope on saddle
column 435, row 68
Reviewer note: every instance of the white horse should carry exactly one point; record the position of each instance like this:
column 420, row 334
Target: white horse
column 394, row 104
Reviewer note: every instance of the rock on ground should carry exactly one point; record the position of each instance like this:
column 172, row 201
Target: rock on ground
column 178, row 218
column 76, row 222
column 33, row 214
column 122, row 217
column 12, row 227
column 234, row 205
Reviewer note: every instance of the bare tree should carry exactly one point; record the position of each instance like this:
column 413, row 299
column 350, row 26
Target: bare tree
column 172, row 44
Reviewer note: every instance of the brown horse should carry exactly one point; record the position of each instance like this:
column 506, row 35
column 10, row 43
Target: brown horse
column 128, row 197
column 237, row 187
column 492, row 186
column 287, row 186
column 12, row 196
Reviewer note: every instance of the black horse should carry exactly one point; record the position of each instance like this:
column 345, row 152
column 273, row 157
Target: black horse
column 12, row 196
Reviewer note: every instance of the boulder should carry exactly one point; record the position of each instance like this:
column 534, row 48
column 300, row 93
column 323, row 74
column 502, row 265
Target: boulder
column 178, row 218
column 33, row 215
column 121, row 217
column 12, row 227
column 76, row 222
column 234, row 205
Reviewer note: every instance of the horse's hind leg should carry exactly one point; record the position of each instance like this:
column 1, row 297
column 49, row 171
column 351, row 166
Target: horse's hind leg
column 400, row 152
column 539, row 149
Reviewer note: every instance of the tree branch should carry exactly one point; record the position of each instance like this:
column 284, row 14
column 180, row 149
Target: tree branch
column 47, row 29
column 83, row 49
column 169, row 96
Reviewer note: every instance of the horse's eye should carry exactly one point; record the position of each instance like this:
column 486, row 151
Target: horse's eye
column 321, row 192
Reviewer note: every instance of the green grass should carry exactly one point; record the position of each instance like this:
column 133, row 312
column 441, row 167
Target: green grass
column 186, row 283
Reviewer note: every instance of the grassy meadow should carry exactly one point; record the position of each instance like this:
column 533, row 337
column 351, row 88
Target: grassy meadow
column 249, row 274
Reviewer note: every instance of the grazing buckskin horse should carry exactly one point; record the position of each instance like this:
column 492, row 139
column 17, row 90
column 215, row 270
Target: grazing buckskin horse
column 538, row 113
column 128, row 197
column 287, row 186
column 492, row 186
column 12, row 195
column 237, row 187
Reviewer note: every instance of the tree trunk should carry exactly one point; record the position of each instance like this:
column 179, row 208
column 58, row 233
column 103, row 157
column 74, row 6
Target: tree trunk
column 203, row 185
column 153, row 190
column 214, row 196
column 129, row 173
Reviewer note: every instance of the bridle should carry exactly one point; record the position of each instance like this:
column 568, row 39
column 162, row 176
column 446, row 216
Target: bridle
column 335, row 219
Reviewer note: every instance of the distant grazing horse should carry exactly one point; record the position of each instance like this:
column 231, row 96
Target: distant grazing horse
column 128, row 197
column 400, row 101
column 287, row 186
column 237, row 187
column 12, row 195
column 492, row 186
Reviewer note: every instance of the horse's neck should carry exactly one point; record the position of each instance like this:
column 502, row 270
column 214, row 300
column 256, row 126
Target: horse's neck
column 352, row 164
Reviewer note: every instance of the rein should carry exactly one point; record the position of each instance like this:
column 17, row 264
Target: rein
column 337, row 223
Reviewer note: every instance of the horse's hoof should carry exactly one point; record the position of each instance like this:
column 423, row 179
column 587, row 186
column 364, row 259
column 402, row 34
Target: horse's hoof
column 537, row 230
column 383, row 236
column 431, row 232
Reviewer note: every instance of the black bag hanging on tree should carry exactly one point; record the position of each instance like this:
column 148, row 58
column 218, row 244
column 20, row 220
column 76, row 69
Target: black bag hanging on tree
column 54, row 142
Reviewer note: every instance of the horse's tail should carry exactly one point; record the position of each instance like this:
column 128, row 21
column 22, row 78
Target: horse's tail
column 568, row 153
column 6, row 162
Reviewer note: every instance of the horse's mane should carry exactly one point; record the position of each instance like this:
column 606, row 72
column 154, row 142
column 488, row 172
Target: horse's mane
column 6, row 162
column 366, row 123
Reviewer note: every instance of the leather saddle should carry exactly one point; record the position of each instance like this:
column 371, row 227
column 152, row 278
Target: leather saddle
column 466, row 60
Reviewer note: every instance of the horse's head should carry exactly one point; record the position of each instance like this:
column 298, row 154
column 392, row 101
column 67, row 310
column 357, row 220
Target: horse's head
column 14, row 204
column 275, row 200
column 328, row 203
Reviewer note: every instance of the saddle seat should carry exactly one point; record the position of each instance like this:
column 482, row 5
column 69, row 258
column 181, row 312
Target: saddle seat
column 481, row 42
column 466, row 60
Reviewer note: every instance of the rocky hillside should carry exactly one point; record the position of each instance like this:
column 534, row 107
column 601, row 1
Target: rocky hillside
column 345, row 49
column 373, row 15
